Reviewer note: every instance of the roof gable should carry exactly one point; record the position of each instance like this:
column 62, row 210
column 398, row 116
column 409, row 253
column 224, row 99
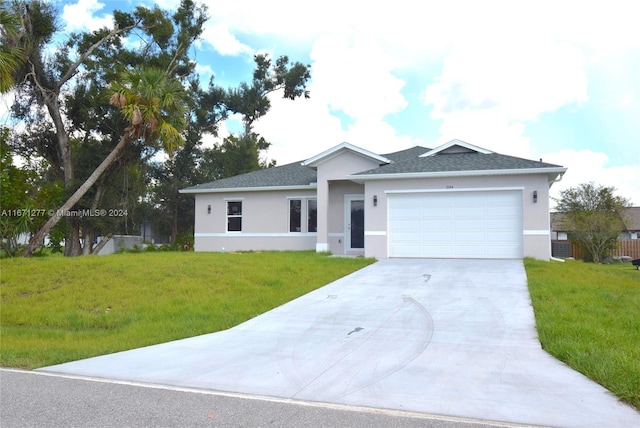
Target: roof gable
column 333, row 152
column 455, row 147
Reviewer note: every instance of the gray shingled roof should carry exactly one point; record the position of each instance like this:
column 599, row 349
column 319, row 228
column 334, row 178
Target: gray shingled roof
column 293, row 174
column 407, row 154
column 403, row 162
column 451, row 162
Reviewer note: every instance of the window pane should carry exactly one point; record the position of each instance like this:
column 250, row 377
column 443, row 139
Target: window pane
column 234, row 208
column 312, row 215
column 234, row 224
column 295, row 215
column 234, row 216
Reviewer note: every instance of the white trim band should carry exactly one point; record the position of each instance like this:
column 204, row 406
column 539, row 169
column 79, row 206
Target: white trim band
column 235, row 235
column 539, row 232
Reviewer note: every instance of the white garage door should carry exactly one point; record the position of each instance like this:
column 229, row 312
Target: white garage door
column 483, row 224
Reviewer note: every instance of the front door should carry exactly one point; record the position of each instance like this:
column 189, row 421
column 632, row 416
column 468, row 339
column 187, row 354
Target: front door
column 354, row 220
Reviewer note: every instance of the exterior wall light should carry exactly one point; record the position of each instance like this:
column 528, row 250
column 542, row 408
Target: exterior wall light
column 208, row 209
column 535, row 196
column 375, row 200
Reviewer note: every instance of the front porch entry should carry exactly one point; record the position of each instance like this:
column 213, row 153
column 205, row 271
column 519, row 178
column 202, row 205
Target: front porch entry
column 354, row 223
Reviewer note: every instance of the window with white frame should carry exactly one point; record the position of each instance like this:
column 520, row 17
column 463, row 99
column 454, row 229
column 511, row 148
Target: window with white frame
column 301, row 209
column 312, row 215
column 234, row 216
column 295, row 215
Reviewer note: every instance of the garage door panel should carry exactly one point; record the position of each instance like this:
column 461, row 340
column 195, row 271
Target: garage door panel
column 483, row 224
column 469, row 211
column 436, row 238
column 436, row 224
column 435, row 211
column 469, row 223
column 499, row 237
column 467, row 237
column 500, row 252
column 409, row 238
column 501, row 211
column 408, row 225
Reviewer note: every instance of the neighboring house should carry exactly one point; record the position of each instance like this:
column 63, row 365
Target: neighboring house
column 629, row 225
column 455, row 201
column 631, row 220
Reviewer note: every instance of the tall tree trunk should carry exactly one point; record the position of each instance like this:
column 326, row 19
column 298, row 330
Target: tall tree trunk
column 55, row 218
column 87, row 241
column 72, row 246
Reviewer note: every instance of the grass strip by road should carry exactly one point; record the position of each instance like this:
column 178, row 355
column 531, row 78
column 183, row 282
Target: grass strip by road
column 588, row 316
column 55, row 309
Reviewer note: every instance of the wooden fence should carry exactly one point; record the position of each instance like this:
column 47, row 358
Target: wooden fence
column 626, row 247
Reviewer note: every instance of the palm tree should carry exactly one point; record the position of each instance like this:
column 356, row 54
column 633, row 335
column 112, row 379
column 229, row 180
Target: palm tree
column 155, row 107
column 11, row 56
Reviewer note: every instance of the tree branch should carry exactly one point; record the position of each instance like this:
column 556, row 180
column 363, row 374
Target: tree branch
column 73, row 69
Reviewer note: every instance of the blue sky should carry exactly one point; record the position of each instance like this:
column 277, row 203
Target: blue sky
column 557, row 80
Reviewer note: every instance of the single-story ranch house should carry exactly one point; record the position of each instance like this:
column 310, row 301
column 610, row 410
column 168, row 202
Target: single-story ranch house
column 454, row 201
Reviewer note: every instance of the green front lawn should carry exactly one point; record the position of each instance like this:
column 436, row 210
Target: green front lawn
column 588, row 316
column 55, row 309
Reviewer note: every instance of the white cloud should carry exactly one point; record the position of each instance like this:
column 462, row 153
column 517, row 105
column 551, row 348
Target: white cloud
column 488, row 130
column 221, row 39
column 80, row 16
column 355, row 76
column 298, row 129
column 516, row 79
column 204, row 71
column 489, row 88
column 586, row 166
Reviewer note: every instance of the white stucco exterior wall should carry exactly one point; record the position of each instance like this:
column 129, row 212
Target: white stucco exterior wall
column 265, row 222
column 535, row 221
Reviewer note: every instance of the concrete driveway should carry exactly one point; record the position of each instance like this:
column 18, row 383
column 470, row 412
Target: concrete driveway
column 448, row 337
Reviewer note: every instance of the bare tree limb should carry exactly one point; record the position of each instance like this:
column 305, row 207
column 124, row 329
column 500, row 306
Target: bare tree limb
column 74, row 67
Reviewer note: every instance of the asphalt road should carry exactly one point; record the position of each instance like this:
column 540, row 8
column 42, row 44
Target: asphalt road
column 31, row 399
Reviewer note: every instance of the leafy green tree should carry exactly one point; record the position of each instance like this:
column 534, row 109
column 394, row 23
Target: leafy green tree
column 22, row 194
column 155, row 107
column 237, row 154
column 592, row 217
column 69, row 86
column 251, row 100
column 11, row 55
column 63, row 106
column 14, row 199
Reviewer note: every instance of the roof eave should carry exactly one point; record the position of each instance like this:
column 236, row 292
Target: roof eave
column 311, row 186
column 555, row 172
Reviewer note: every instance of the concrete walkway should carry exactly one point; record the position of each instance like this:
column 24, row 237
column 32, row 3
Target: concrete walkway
column 447, row 337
